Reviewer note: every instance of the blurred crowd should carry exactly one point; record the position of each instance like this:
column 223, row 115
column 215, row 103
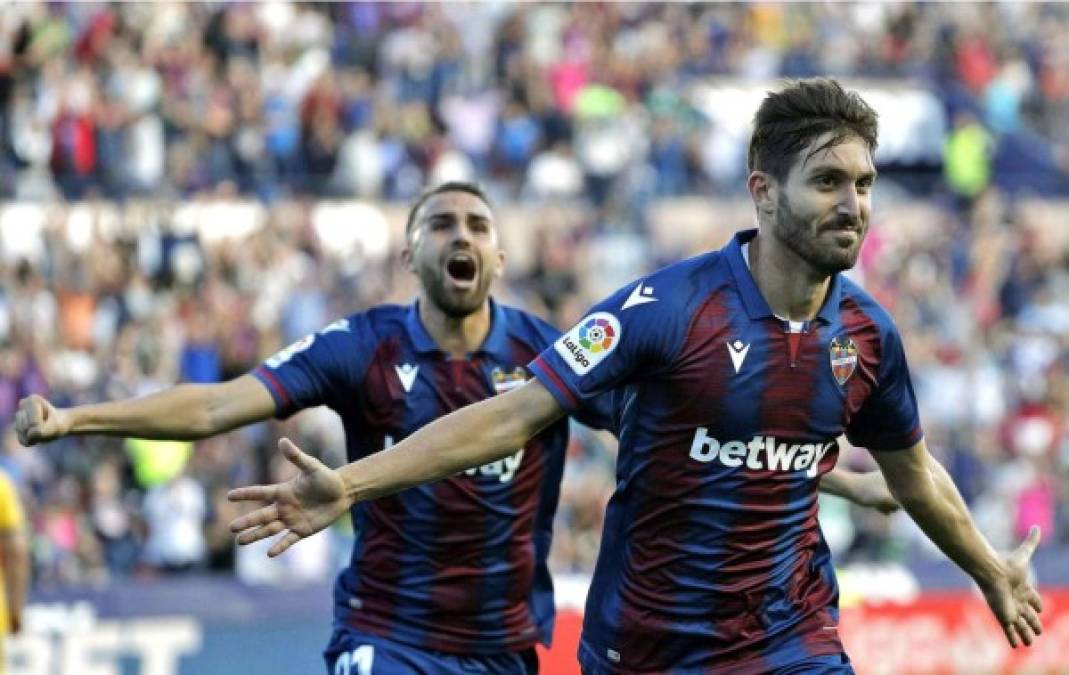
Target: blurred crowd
column 132, row 109
column 538, row 100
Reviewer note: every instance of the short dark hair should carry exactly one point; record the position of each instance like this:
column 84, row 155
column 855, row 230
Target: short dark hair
column 789, row 119
column 448, row 186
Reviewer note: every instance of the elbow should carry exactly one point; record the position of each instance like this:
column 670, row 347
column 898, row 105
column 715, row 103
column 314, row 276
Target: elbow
column 210, row 418
column 201, row 426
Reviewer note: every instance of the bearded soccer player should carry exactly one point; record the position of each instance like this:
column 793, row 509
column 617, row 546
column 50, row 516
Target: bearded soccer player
column 443, row 578
column 737, row 369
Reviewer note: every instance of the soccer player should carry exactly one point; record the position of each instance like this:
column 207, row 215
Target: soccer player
column 737, row 369
column 444, row 577
column 14, row 562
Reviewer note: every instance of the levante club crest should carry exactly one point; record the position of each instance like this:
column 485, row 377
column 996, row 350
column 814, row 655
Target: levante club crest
column 507, row 381
column 843, row 353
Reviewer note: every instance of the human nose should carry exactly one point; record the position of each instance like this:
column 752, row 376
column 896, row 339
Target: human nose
column 462, row 234
column 850, row 202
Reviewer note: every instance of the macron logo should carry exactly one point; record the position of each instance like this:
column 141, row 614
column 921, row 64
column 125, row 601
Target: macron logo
column 762, row 452
column 407, row 374
column 639, row 296
column 738, row 353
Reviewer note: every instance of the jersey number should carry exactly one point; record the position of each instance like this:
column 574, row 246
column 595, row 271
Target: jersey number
column 356, row 662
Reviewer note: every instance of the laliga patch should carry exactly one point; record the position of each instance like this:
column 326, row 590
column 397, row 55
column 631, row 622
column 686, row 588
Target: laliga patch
column 589, row 342
column 843, row 354
column 507, row 381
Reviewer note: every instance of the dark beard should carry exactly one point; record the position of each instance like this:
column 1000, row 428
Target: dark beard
column 453, row 306
column 799, row 236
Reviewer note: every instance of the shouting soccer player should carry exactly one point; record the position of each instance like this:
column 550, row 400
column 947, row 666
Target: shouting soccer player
column 738, row 369
column 443, row 578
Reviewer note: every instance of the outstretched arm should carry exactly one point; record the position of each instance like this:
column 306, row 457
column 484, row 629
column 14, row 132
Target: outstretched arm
column 864, row 489
column 475, row 435
column 185, row 412
column 927, row 493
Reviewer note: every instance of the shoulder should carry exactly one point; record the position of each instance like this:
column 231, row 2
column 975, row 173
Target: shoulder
column 382, row 316
column 378, row 322
column 694, row 271
column 351, row 334
column 855, row 302
column 674, row 293
column 854, row 298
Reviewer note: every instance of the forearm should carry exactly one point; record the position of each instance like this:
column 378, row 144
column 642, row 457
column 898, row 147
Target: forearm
column 867, row 489
column 841, row 484
column 473, row 436
column 185, row 412
column 181, row 413
column 938, row 509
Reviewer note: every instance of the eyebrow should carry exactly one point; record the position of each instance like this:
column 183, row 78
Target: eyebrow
column 452, row 215
column 824, row 169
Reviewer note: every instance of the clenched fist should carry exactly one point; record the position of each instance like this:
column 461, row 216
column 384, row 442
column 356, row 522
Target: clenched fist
column 38, row 421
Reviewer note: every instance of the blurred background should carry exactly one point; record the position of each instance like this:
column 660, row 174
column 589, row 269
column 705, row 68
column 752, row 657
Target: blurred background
column 186, row 188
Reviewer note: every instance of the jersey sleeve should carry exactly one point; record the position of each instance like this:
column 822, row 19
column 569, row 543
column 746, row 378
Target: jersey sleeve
column 597, row 413
column 312, row 370
column 11, row 518
column 619, row 338
column 888, row 419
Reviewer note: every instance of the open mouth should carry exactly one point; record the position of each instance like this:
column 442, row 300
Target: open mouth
column 461, row 268
column 843, row 225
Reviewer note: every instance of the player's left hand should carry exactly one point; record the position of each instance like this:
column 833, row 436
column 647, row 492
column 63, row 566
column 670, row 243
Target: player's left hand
column 1013, row 599
column 299, row 507
column 876, row 495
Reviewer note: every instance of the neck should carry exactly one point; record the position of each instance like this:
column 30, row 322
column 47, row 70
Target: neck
column 456, row 336
column 791, row 287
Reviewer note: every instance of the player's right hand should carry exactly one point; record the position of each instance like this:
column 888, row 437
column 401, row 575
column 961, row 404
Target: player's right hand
column 38, row 421
column 300, row 507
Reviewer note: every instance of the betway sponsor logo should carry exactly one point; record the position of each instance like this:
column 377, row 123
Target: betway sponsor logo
column 503, row 469
column 761, row 452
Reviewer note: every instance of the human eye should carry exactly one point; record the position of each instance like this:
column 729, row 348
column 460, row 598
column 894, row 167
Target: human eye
column 825, row 180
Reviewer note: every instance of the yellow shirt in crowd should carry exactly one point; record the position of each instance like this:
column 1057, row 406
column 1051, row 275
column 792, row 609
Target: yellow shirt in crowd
column 11, row 521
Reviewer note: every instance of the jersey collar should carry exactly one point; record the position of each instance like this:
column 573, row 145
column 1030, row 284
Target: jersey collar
column 755, row 303
column 495, row 344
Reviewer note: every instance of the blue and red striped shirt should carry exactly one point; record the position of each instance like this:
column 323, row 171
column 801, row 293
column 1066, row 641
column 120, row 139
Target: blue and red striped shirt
column 712, row 557
column 459, row 565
